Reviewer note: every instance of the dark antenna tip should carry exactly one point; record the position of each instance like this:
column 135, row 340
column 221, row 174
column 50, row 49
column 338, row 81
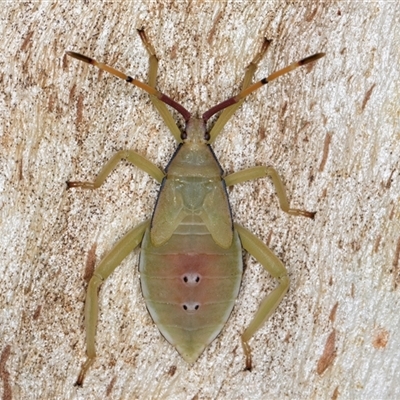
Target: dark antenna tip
column 312, row 58
column 79, row 57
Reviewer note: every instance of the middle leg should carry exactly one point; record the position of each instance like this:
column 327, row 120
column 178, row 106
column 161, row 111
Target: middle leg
column 262, row 172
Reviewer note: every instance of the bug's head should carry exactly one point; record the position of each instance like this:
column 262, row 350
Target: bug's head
column 195, row 131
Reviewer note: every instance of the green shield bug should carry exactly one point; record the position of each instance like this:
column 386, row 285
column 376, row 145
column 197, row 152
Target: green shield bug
column 191, row 250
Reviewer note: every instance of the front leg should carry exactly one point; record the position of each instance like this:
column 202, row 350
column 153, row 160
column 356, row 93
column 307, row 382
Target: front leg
column 275, row 267
column 161, row 107
column 226, row 115
column 109, row 263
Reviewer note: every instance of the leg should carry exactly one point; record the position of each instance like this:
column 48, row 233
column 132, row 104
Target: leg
column 130, row 155
column 111, row 261
column 228, row 112
column 261, row 172
column 275, row 267
column 156, row 97
column 161, row 107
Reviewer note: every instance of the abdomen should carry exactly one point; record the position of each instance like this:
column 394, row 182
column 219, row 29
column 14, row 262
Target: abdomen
column 190, row 285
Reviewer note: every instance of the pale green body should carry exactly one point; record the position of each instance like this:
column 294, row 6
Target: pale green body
column 191, row 258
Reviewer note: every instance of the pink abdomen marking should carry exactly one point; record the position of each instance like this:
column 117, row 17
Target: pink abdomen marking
column 190, row 285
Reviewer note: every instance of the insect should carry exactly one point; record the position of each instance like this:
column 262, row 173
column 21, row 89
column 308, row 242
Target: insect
column 191, row 251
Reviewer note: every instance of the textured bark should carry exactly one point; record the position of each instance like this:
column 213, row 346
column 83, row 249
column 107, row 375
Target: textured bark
column 330, row 129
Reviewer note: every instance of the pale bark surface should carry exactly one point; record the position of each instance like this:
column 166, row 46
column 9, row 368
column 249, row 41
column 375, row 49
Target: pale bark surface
column 332, row 131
